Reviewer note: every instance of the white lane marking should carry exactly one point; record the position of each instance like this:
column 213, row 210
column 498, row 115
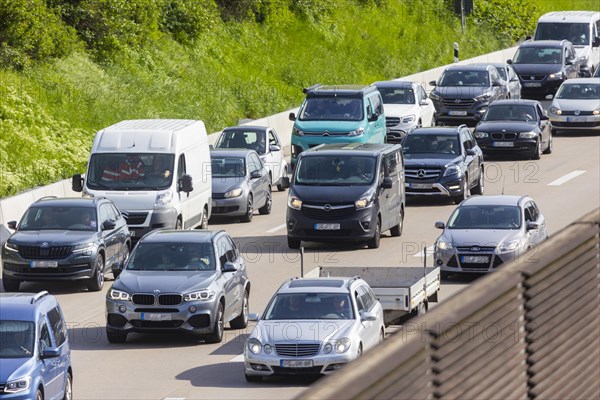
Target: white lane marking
column 238, row 358
column 429, row 250
column 313, row 273
column 277, row 228
column 174, row 398
column 566, row 178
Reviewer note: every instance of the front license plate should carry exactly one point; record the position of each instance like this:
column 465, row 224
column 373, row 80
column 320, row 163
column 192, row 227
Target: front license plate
column 296, row 363
column 532, row 84
column 43, row 264
column 421, row 186
column 503, row 144
column 576, row 119
column 475, row 259
column 327, row 227
column 156, row 317
column 460, row 113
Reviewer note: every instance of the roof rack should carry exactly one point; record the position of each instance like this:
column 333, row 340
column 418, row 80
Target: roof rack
column 38, row 296
column 46, row 197
column 313, row 87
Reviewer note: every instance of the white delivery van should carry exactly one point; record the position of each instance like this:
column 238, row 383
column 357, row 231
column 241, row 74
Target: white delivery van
column 156, row 171
column 581, row 28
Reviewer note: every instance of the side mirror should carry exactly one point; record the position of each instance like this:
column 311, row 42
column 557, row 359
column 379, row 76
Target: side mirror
column 509, row 61
column 274, row 147
column 569, row 61
column 532, row 225
column 596, row 42
column 549, row 97
column 108, row 225
column 186, row 183
column 50, row 352
column 229, row 267
column 424, row 102
column 440, row 225
column 285, row 182
column 514, row 79
column 255, row 174
column 477, row 116
column 292, row 116
column 432, row 83
column 366, row 316
column 373, row 117
column 544, row 117
column 471, row 152
column 253, row 317
column 497, row 83
column 387, row 182
column 12, row 225
column 77, row 183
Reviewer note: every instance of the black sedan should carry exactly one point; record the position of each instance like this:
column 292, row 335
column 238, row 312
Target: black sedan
column 515, row 126
column 66, row 239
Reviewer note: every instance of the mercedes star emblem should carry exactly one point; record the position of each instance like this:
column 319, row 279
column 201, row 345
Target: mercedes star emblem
column 421, row 173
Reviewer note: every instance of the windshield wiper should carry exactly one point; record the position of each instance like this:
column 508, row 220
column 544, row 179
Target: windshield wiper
column 25, row 350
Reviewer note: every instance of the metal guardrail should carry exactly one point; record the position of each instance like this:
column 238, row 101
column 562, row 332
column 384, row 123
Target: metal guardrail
column 528, row 331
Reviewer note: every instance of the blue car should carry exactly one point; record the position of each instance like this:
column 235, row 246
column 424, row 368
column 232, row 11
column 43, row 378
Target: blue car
column 35, row 357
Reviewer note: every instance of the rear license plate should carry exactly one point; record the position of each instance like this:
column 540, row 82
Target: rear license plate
column 460, row 113
column 43, row 264
column 475, row 259
column 156, row 317
column 296, row 363
column 327, row 227
column 532, row 84
column 503, row 144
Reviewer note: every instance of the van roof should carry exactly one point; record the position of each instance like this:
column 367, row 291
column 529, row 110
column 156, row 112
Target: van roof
column 339, row 90
column 152, row 124
column 570, row 16
column 364, row 148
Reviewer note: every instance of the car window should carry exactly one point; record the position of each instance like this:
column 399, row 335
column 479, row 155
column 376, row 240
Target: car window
column 105, row 213
column 531, row 212
column 117, row 214
column 359, row 303
column 365, row 298
column 257, row 161
column 225, row 251
column 273, row 138
column 502, row 72
column 495, row 77
column 44, row 337
column 59, row 330
column 391, row 163
column 464, row 138
column 181, row 167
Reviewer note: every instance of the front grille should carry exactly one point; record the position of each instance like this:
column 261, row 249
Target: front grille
column 2, row 386
column 58, row 270
column 504, row 136
column 297, row 349
column 391, row 121
column 326, row 234
column 170, row 299
column 138, row 323
column 156, row 310
column 422, row 173
column 45, row 253
column 433, row 190
column 533, row 77
column 576, row 124
column 336, row 212
column 470, row 249
column 135, row 218
column 199, row 321
column 218, row 196
column 225, row 209
column 325, row 133
column 143, row 299
column 458, row 104
column 579, row 113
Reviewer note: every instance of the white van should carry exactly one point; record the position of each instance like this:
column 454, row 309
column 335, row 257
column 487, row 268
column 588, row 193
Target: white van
column 581, row 28
column 156, row 171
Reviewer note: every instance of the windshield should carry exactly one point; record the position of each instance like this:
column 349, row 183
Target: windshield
column 576, row 33
column 223, row 167
column 486, row 217
column 332, row 109
column 310, row 306
column 397, row 95
column 130, row 171
column 510, row 112
column 338, row 170
column 464, row 78
column 579, row 91
column 243, row 139
column 172, row 257
column 16, row 339
column 46, row 217
column 538, row 55
column 432, row 144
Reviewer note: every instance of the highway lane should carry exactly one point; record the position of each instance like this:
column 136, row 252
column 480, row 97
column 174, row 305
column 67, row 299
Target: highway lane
column 173, row 366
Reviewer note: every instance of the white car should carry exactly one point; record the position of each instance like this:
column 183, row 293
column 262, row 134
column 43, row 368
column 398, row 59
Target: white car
column 576, row 105
column 313, row 326
column 406, row 106
column 255, row 138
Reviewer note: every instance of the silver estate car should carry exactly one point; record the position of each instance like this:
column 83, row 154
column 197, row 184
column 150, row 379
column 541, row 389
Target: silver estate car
column 313, row 326
column 485, row 232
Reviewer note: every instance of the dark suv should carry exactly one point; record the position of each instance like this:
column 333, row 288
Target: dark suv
column 443, row 161
column 65, row 239
column 463, row 93
column 543, row 65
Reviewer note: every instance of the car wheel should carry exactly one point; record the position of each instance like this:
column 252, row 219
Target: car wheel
column 550, row 145
column 360, row 351
column 266, row 209
column 419, row 124
column 480, row 182
column 465, row 192
column 217, row 334
column 10, row 285
column 253, row 378
column 204, row 220
column 39, row 395
column 397, row 230
column 116, row 337
column 242, row 320
column 249, row 211
column 293, row 243
column 280, row 187
column 537, row 152
column 374, row 242
column 68, row 388
column 178, row 224
column 381, row 335
column 96, row 282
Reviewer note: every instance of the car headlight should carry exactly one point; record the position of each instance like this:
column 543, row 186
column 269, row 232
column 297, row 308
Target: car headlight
column 254, row 345
column 237, row 192
column 163, row 198
column 294, row 202
column 443, row 245
column 342, row 345
column 268, row 349
column 555, row 110
column 527, row 135
column 434, row 96
column 18, row 385
column 199, row 295
column 509, row 246
column 114, row 294
column 483, row 97
column 83, row 247
column 408, row 119
column 366, row 200
column 480, row 134
column 327, row 348
column 452, row 170
column 297, row 132
column 11, row 246
column 557, row 75
column 596, row 111
column 357, row 132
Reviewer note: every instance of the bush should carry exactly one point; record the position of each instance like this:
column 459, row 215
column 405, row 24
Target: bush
column 511, row 19
column 245, row 10
column 186, row 20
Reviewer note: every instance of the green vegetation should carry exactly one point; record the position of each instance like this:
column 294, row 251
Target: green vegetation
column 70, row 67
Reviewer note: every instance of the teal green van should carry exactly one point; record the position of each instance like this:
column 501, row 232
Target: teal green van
column 338, row 114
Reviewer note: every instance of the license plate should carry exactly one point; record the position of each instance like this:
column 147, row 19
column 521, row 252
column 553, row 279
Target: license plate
column 576, row 119
column 457, row 113
column 43, row 264
column 132, row 233
column 475, row 259
column 327, row 227
column 296, row 363
column 156, row 317
column 420, row 185
column 532, row 84
column 503, row 144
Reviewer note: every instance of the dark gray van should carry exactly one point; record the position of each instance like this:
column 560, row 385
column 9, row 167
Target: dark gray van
column 346, row 192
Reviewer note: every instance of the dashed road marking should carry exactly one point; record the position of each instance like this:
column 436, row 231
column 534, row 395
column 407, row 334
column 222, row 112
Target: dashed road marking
column 566, row 178
column 277, row 228
column 238, row 358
